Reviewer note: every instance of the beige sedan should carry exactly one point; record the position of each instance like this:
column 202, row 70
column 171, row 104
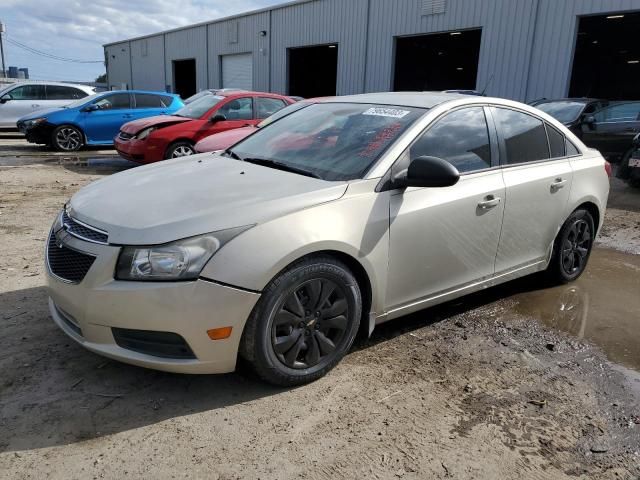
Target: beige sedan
column 343, row 215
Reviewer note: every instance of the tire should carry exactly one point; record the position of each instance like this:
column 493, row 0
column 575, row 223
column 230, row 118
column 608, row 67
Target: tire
column 572, row 248
column 623, row 171
column 180, row 149
column 288, row 343
column 67, row 138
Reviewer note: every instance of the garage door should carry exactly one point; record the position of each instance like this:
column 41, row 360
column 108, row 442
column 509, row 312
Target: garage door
column 237, row 71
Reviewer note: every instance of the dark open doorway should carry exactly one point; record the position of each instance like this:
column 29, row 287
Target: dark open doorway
column 313, row 71
column 438, row 61
column 184, row 77
column 606, row 63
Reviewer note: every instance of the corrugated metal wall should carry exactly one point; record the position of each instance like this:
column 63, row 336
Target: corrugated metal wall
column 184, row 44
column 526, row 51
column 118, row 65
column 247, row 39
column 147, row 63
column 556, row 30
column 326, row 21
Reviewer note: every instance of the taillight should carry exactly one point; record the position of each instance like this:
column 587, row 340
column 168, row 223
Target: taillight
column 607, row 168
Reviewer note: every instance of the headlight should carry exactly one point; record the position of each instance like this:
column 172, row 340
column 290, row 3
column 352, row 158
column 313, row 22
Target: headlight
column 145, row 133
column 180, row 260
column 35, row 121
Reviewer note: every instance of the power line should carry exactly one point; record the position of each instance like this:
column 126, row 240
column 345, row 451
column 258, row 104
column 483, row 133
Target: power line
column 48, row 55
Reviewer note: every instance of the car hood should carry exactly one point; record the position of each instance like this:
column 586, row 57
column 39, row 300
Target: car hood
column 184, row 197
column 159, row 120
column 42, row 113
column 223, row 140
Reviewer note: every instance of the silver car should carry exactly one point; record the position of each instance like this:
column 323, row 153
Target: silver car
column 22, row 98
column 338, row 217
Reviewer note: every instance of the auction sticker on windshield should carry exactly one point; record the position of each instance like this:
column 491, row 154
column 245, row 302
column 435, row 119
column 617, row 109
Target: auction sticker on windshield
column 386, row 112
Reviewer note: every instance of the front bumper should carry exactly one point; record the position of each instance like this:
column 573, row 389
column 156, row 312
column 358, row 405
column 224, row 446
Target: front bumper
column 139, row 151
column 87, row 312
column 40, row 134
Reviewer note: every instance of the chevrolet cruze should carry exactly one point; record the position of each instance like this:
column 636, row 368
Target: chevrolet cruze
column 343, row 215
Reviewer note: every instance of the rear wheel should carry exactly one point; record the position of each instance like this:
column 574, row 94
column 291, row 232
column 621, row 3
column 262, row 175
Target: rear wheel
column 180, row 149
column 67, row 138
column 305, row 322
column 572, row 247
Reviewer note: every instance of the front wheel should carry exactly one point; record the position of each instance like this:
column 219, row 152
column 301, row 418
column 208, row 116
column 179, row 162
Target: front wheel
column 572, row 247
column 67, row 138
column 180, row 149
column 305, row 322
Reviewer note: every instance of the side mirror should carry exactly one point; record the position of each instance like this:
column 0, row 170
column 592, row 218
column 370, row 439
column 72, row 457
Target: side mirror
column 589, row 120
column 5, row 99
column 91, row 108
column 218, row 117
column 427, row 172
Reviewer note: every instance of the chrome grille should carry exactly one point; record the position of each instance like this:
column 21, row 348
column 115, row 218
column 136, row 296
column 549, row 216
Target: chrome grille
column 83, row 231
column 67, row 264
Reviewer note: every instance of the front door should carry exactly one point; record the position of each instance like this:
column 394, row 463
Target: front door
column 103, row 124
column 20, row 101
column 237, row 113
column 443, row 239
column 538, row 183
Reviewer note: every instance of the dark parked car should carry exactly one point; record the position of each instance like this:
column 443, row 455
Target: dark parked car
column 629, row 168
column 606, row 126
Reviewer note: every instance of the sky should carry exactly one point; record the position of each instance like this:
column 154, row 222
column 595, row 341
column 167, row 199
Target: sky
column 77, row 29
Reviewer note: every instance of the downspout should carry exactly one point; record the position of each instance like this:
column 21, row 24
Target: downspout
column 533, row 42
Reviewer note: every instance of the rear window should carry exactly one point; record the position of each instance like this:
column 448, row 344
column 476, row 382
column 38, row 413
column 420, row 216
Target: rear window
column 565, row 112
column 556, row 142
column 146, row 100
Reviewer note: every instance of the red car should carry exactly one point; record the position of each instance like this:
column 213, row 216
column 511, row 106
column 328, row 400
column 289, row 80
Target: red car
column 223, row 140
column 170, row 136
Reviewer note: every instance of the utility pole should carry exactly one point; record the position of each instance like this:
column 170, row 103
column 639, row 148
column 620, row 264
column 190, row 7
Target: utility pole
column 4, row 72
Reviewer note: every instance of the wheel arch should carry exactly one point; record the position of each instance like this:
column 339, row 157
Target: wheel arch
column 594, row 210
column 74, row 125
column 178, row 140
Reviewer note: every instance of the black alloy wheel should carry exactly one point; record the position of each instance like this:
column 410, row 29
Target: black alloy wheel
column 310, row 322
column 304, row 323
column 576, row 245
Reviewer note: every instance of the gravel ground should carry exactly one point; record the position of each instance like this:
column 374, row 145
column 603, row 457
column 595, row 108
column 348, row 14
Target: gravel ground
column 476, row 388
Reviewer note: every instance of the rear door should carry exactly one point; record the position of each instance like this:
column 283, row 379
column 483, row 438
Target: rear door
column 443, row 239
column 538, row 177
column 20, row 101
column 102, row 125
column 148, row 105
column 613, row 129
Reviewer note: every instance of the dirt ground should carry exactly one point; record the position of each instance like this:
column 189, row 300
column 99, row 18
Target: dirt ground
column 484, row 387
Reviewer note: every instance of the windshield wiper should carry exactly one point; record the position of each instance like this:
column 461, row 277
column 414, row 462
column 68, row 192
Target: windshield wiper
column 280, row 166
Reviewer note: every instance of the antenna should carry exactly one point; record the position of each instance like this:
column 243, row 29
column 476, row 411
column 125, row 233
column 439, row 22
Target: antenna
column 488, row 83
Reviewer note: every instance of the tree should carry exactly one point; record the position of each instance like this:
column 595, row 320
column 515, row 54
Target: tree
column 102, row 78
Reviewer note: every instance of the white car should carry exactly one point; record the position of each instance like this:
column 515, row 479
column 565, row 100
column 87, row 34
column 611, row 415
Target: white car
column 343, row 215
column 22, row 98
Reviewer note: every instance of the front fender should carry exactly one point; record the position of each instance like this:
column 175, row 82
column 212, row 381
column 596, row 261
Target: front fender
column 355, row 225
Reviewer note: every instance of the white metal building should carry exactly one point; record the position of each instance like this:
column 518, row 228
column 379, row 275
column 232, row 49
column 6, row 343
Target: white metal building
column 519, row 49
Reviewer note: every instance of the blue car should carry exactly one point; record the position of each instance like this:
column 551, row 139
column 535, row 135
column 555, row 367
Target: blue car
column 94, row 120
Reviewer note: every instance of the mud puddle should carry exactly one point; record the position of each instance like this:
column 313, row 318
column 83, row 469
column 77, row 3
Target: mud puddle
column 602, row 306
column 106, row 162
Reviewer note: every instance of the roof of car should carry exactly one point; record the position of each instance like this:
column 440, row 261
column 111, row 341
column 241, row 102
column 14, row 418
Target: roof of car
column 576, row 100
column 405, row 99
column 46, row 82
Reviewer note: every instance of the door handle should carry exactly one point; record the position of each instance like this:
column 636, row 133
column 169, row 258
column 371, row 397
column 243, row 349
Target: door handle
column 490, row 201
column 35, row 105
column 558, row 184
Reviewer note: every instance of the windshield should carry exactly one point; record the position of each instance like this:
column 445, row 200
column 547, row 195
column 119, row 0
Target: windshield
column 333, row 141
column 196, row 96
column 198, row 107
column 85, row 100
column 565, row 112
column 283, row 113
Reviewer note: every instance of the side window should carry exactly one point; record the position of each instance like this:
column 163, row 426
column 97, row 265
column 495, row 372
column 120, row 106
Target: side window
column 524, row 136
column 28, row 92
column 572, row 150
column 622, row 112
column 556, row 142
column 269, row 106
column 238, row 109
column 59, row 92
column 113, row 102
column 144, row 100
column 461, row 137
